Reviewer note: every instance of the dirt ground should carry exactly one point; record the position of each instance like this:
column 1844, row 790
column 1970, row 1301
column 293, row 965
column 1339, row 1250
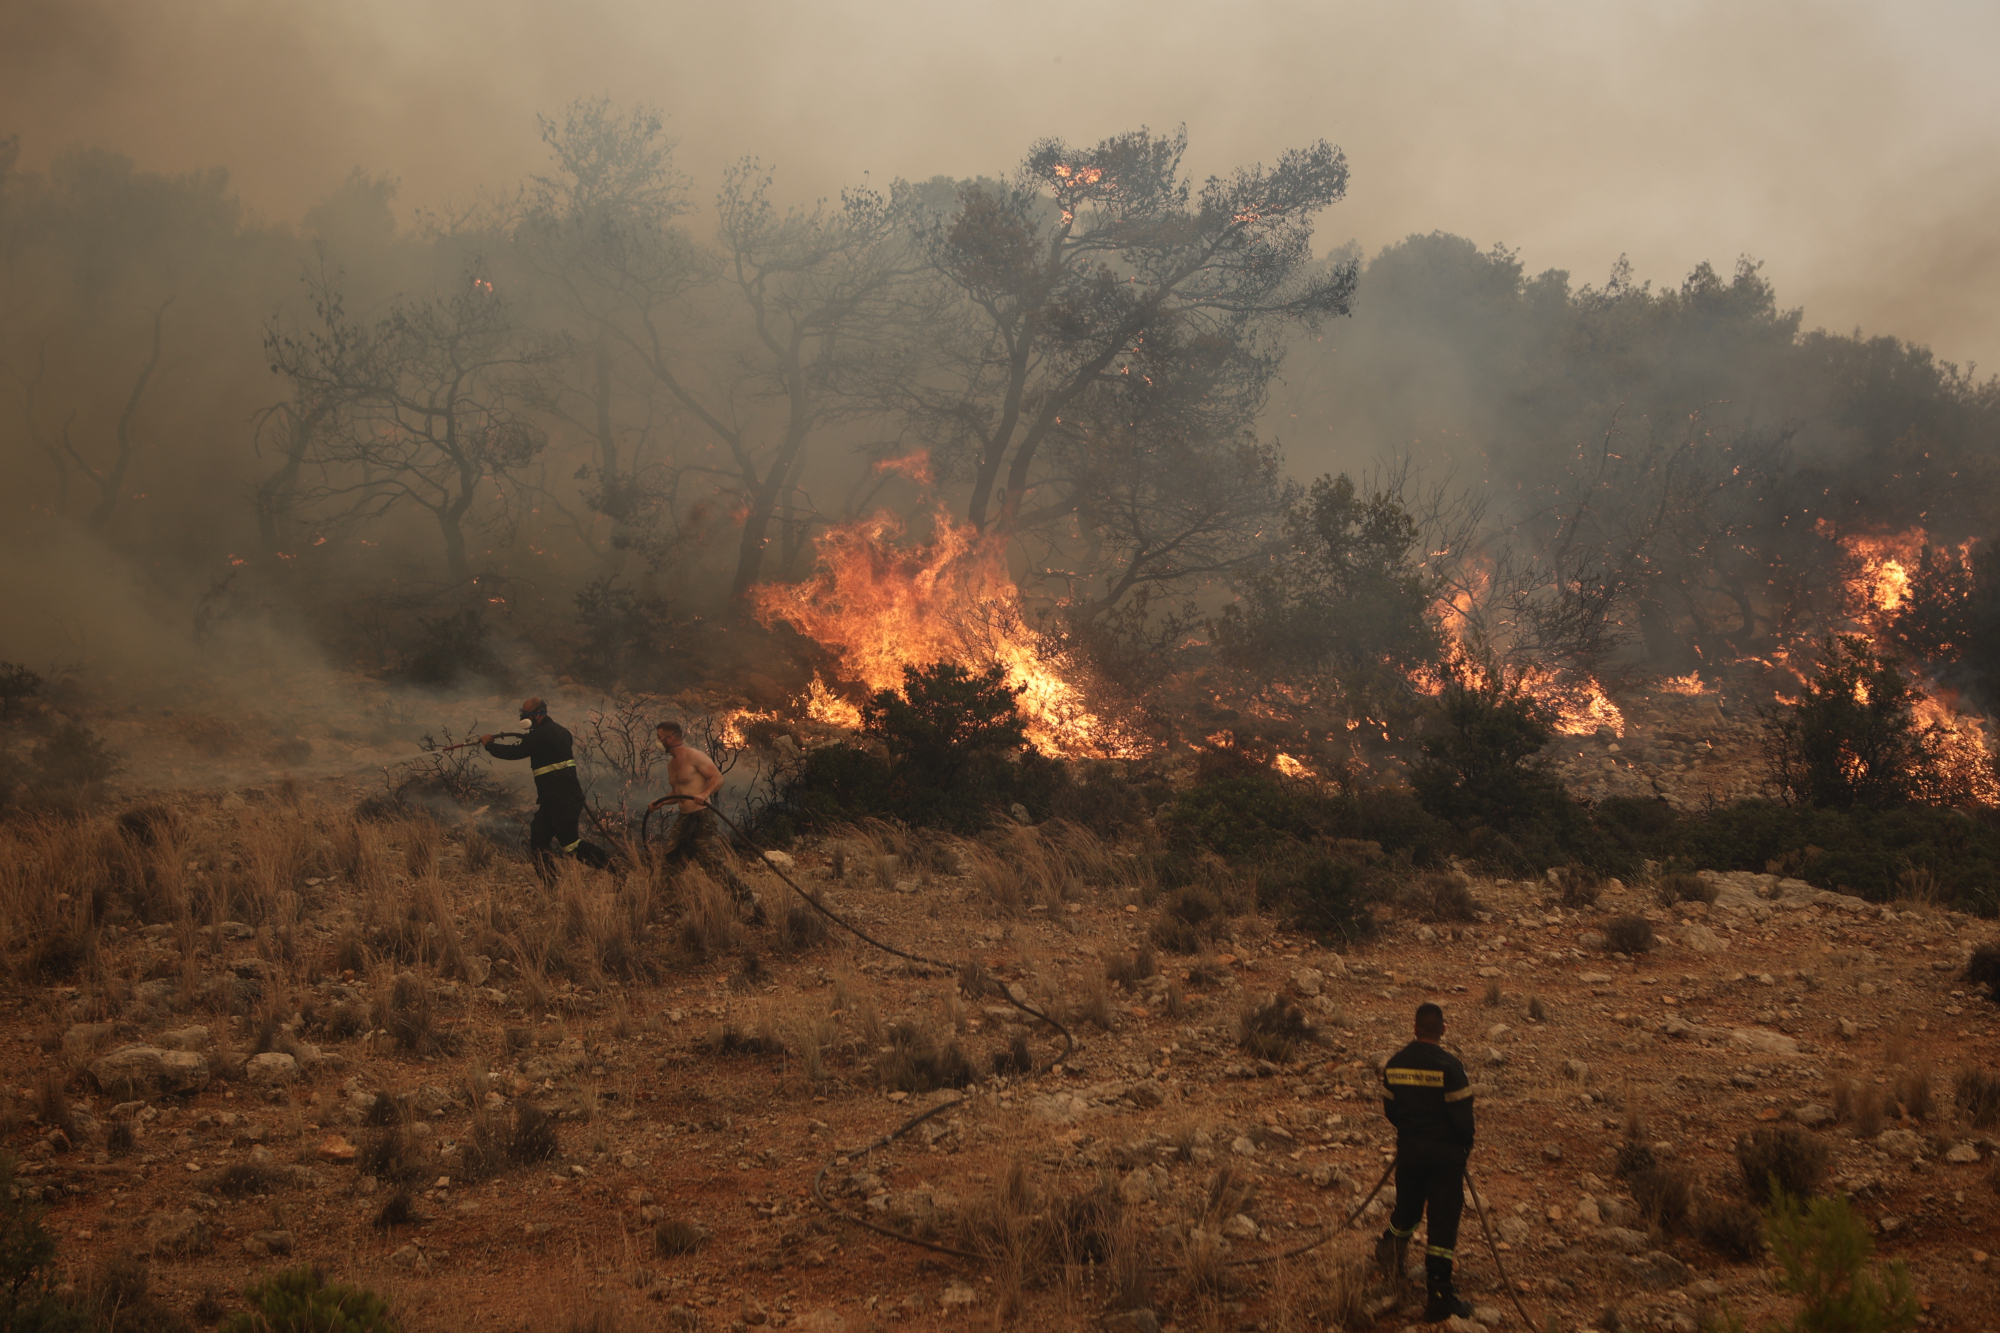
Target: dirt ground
column 262, row 932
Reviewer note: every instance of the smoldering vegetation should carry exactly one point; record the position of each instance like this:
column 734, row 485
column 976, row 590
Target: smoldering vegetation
column 580, row 428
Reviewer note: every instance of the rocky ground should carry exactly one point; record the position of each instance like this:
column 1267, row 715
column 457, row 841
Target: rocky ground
column 710, row 1094
column 300, row 1035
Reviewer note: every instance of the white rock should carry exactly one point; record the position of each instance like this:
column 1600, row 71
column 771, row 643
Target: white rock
column 271, row 1068
column 1241, row 1227
column 1308, row 981
column 1962, row 1154
column 133, row 1073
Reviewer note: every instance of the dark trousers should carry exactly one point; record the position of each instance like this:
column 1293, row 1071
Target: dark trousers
column 554, row 828
column 1430, row 1176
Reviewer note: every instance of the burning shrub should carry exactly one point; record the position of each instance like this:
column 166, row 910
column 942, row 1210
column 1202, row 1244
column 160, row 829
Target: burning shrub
column 1853, row 738
column 957, row 750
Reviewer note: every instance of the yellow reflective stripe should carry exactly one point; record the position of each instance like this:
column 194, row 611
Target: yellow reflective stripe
column 1440, row 1252
column 1413, row 1078
column 550, row 768
column 572, row 846
column 1461, row 1095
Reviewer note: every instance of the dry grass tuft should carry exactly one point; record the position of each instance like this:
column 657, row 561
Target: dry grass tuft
column 1977, row 1093
column 677, row 1236
column 1273, row 1030
column 916, row 1061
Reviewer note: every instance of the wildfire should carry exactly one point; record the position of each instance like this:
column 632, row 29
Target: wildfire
column 823, row 705
column 1578, row 700
column 1290, row 767
column 881, row 605
column 1877, row 588
column 1690, row 684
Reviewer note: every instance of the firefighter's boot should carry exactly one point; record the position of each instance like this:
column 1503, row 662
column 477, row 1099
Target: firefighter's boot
column 1390, row 1252
column 1442, row 1301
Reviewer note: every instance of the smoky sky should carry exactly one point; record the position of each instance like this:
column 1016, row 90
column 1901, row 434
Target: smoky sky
column 1851, row 147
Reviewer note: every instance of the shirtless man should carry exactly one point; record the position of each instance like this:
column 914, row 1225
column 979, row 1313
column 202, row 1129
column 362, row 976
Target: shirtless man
column 694, row 780
column 691, row 774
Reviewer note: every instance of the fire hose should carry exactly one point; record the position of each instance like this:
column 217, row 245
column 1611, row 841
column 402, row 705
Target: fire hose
column 1007, row 993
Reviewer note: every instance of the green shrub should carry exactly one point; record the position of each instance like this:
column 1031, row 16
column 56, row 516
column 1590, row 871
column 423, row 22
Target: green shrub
column 956, row 748
column 298, row 1300
column 1781, row 1157
column 1326, row 896
column 1822, row 1250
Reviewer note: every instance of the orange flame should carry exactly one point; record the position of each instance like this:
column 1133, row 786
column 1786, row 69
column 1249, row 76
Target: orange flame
column 881, row 605
column 823, row 705
column 915, row 466
column 1689, row 684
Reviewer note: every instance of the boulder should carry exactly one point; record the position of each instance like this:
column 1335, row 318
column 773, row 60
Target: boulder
column 140, row 1073
column 1903, row 1143
column 1308, row 982
column 271, row 1069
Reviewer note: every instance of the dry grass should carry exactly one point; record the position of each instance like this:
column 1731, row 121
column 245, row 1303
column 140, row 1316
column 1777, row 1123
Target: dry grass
column 1273, row 1030
column 1911, row 1091
column 1977, row 1093
column 1858, row 1104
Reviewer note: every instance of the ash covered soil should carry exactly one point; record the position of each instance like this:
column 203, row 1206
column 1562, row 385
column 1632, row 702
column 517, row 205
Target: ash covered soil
column 303, row 1037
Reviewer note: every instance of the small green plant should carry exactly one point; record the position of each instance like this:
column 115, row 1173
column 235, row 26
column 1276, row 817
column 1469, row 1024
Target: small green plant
column 1823, row 1249
column 298, row 1300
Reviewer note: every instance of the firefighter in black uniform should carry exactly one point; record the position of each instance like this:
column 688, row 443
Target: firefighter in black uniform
column 1428, row 1099
column 558, row 794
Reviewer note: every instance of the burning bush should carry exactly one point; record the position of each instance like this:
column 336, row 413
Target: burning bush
column 957, row 750
column 1853, row 738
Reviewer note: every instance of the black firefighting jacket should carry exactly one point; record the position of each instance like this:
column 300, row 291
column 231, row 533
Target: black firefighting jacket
column 1426, row 1095
column 551, row 758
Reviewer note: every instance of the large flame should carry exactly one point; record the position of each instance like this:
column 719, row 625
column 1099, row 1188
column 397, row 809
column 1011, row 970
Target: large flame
column 881, row 604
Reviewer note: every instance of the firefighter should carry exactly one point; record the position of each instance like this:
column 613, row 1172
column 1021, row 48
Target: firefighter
column 1428, row 1099
column 558, row 794
column 695, row 780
